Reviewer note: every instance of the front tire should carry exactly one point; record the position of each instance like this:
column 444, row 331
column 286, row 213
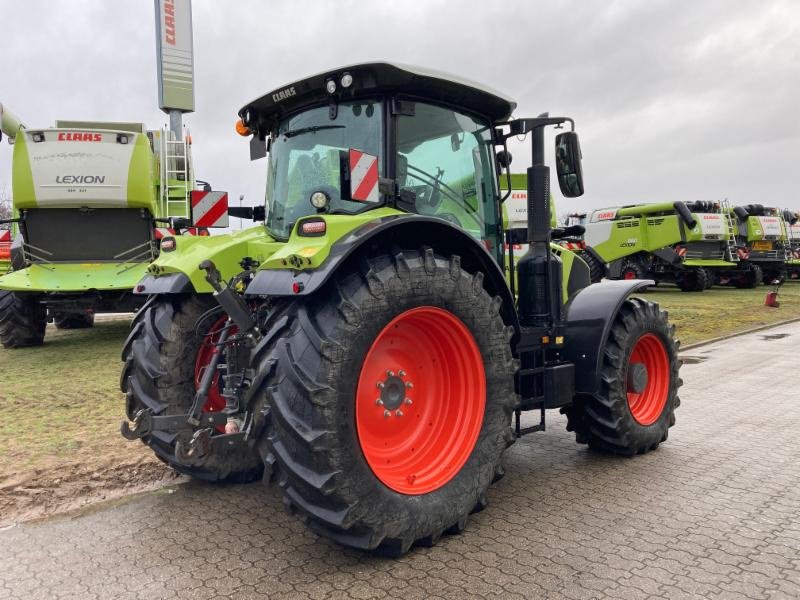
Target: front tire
column 634, row 409
column 693, row 280
column 163, row 358
column 356, row 470
column 23, row 320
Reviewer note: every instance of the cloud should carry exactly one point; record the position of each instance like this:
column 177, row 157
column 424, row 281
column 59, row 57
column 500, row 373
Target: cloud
column 673, row 101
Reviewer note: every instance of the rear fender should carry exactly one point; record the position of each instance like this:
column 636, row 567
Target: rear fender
column 178, row 271
column 590, row 314
column 408, row 231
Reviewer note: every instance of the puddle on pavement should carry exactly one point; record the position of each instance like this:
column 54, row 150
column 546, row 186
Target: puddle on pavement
column 692, row 360
column 774, row 336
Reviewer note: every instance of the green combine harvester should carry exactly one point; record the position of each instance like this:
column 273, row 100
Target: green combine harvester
column 689, row 244
column 793, row 231
column 361, row 346
column 89, row 203
column 762, row 239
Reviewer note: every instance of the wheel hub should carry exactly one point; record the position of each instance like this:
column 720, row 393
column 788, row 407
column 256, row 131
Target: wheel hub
column 637, row 378
column 393, row 392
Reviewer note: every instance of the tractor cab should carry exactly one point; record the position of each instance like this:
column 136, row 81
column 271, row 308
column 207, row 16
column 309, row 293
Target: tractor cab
column 381, row 135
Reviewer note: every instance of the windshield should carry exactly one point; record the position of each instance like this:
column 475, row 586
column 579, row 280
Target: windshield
column 304, row 158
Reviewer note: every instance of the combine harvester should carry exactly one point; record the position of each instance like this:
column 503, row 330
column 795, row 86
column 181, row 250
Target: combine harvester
column 689, row 244
column 762, row 240
column 793, row 263
column 91, row 201
column 362, row 347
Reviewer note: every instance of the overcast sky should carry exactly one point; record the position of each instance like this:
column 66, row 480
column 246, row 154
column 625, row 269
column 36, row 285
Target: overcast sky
column 673, row 100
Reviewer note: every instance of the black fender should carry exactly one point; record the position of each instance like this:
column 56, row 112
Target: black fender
column 175, row 283
column 408, row 231
column 589, row 316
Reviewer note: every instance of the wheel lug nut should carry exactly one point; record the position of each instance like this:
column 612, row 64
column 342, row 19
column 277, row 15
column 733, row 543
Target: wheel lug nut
column 379, row 402
column 386, row 413
column 390, row 373
column 380, row 385
column 408, row 401
column 409, row 385
column 401, row 373
column 398, row 413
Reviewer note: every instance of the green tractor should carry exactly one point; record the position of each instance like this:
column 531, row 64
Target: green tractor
column 90, row 202
column 362, row 347
column 688, row 244
column 762, row 236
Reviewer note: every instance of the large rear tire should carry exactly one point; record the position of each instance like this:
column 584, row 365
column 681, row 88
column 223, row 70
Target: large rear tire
column 385, row 475
column 23, row 320
column 164, row 357
column 751, row 278
column 693, row 280
column 639, row 381
column 597, row 269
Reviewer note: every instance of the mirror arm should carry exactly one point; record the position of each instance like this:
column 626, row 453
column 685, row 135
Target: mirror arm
column 525, row 126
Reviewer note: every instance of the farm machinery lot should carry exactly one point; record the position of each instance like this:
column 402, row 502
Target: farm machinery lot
column 59, row 440
column 711, row 514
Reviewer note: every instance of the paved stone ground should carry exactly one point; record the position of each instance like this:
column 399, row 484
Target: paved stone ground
column 714, row 513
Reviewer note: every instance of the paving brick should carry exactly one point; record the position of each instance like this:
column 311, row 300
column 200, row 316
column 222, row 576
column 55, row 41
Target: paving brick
column 698, row 518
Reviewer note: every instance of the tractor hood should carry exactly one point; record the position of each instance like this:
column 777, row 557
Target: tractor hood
column 74, row 277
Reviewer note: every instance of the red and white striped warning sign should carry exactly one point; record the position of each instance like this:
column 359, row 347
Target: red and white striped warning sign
column 5, row 244
column 209, row 209
column 363, row 176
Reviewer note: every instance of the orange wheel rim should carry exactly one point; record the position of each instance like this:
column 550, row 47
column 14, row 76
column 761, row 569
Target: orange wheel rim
column 420, row 400
column 647, row 395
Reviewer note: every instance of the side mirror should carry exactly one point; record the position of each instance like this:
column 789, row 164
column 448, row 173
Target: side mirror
column 503, row 160
column 254, row 213
column 209, row 209
column 568, row 164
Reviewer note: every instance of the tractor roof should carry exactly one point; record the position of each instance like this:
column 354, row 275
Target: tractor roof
column 370, row 79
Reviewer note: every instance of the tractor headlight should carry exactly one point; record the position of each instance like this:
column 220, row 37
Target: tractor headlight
column 320, row 200
column 330, row 85
column 347, row 80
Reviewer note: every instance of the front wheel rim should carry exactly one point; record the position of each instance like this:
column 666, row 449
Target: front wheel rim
column 647, row 405
column 420, row 400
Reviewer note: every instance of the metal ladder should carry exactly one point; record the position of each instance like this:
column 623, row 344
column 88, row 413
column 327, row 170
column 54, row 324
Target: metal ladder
column 791, row 241
column 175, row 175
column 730, row 249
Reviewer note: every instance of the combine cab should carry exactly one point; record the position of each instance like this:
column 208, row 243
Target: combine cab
column 362, row 348
column 87, row 200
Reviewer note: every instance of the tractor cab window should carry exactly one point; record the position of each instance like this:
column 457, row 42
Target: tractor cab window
column 445, row 158
column 304, row 158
